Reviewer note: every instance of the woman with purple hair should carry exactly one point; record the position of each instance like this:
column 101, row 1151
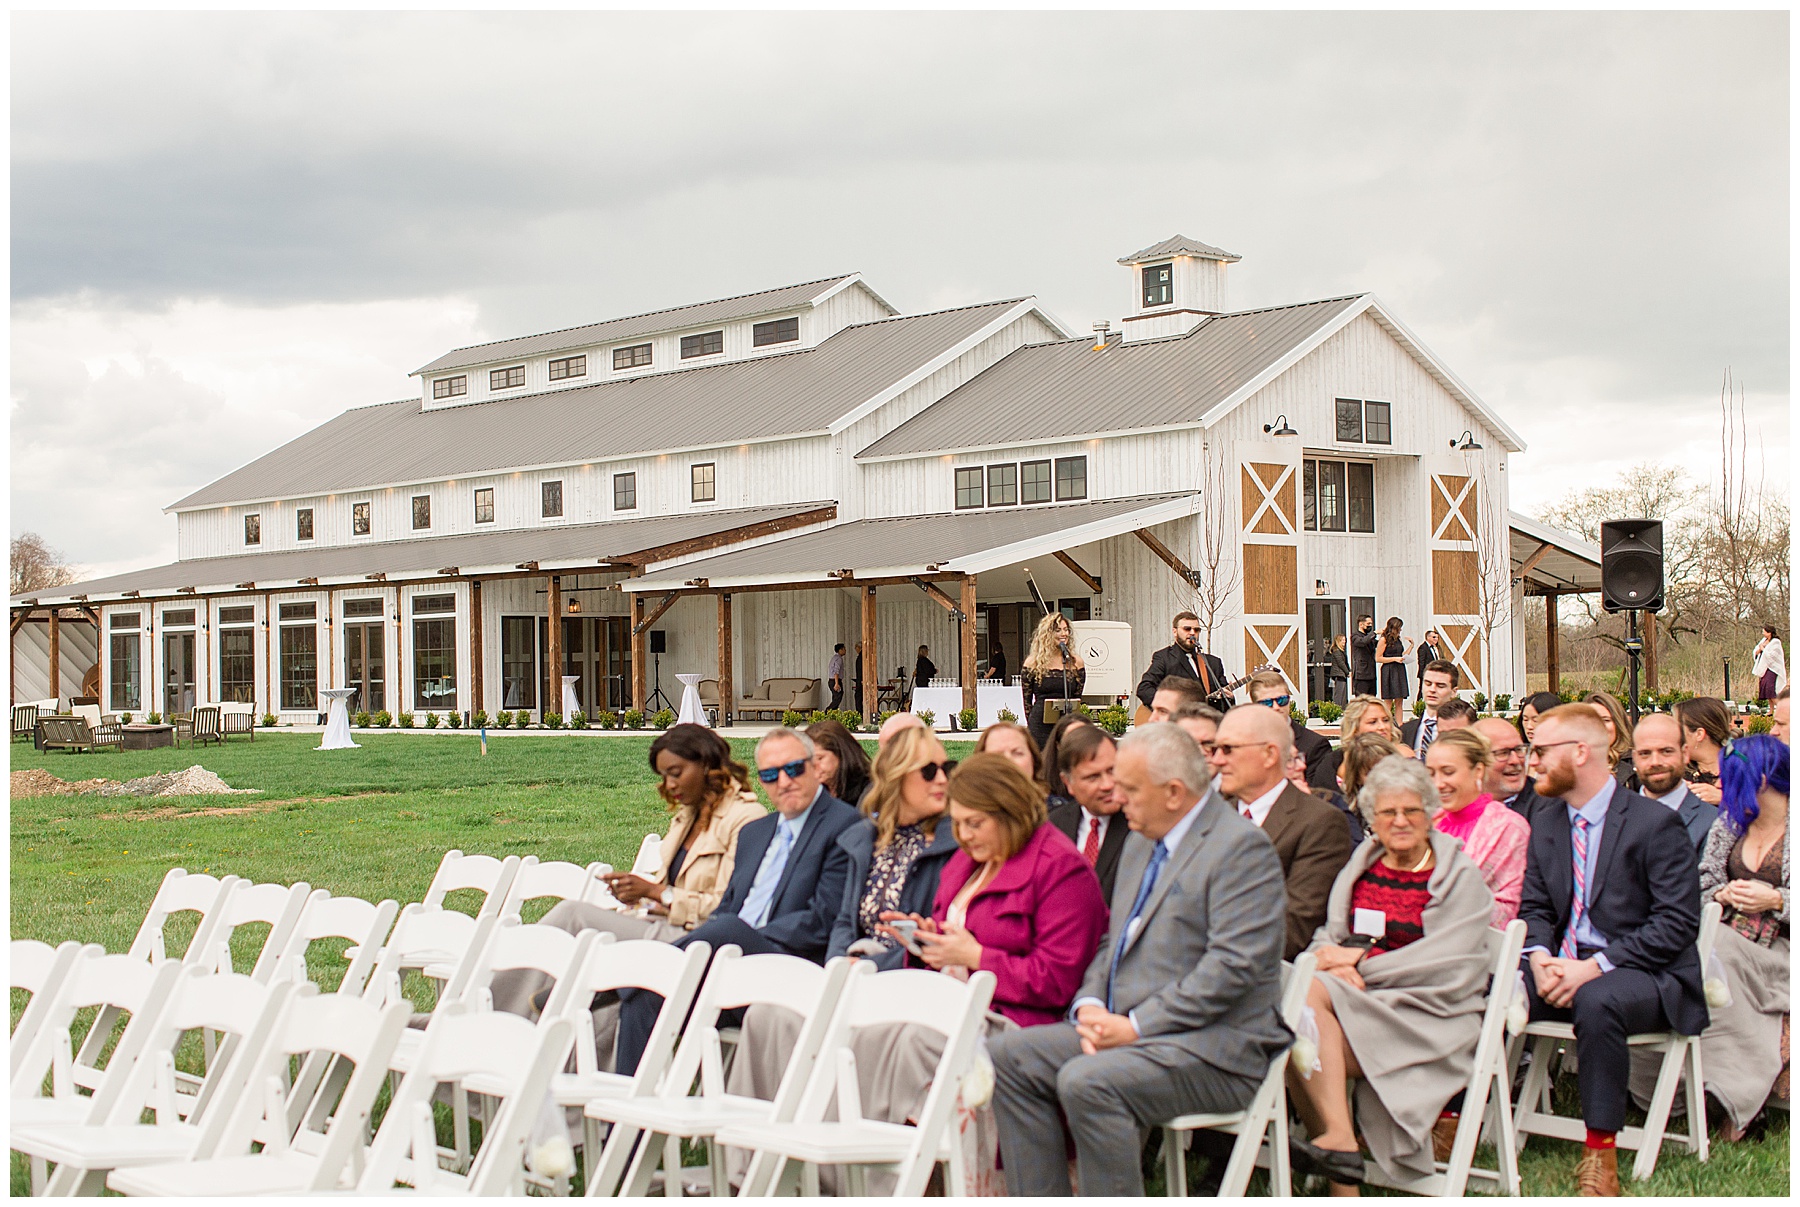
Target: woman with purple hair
column 1745, row 869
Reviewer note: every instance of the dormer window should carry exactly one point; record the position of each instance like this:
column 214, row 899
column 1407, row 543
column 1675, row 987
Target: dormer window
column 567, row 367
column 636, row 356
column 775, row 331
column 506, row 379
column 450, row 387
column 709, row 343
column 1159, row 284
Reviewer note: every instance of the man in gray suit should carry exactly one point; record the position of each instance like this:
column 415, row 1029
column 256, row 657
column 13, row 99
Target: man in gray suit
column 1184, row 1017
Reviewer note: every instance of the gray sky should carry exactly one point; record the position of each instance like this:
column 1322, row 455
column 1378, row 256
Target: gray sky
column 229, row 227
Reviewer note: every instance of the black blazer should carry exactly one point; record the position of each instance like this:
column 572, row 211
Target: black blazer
column 1427, row 654
column 1173, row 660
column 1409, row 733
column 812, row 884
column 1067, row 818
column 1362, row 654
column 924, row 671
column 1645, row 897
column 1321, row 772
column 1528, row 802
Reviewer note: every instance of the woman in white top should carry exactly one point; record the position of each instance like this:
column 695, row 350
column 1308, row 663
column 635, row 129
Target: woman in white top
column 1770, row 667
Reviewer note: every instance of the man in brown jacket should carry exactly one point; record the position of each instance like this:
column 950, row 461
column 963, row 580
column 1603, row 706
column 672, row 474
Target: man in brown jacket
column 1250, row 757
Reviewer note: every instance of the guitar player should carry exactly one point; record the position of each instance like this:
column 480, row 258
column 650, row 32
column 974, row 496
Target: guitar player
column 1185, row 659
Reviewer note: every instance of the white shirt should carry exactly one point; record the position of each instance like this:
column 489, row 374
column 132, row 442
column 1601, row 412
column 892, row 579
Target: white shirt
column 1088, row 822
column 1259, row 808
column 1674, row 800
column 1769, row 658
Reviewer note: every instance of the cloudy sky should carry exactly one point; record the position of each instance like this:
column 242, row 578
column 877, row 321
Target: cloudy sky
column 229, row 227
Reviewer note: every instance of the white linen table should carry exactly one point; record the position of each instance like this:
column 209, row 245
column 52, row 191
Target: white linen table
column 943, row 702
column 991, row 696
column 570, row 705
column 692, row 711
column 337, row 720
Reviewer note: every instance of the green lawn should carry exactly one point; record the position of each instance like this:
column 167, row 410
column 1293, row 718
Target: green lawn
column 374, row 822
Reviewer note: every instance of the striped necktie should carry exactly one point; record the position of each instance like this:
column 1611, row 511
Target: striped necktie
column 1578, row 907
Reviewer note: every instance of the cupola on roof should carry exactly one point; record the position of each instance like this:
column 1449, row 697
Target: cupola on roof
column 1180, row 245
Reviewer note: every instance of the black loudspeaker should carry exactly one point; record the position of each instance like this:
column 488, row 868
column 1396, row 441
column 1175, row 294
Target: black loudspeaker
column 1631, row 565
column 659, row 640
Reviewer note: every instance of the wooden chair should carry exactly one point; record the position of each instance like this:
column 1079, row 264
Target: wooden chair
column 24, row 721
column 236, row 719
column 201, row 725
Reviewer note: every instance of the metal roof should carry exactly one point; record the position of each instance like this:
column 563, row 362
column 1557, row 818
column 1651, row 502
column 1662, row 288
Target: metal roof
column 503, row 550
column 1180, row 245
column 721, row 310
column 969, row 541
column 1559, row 561
column 1063, row 390
column 786, row 394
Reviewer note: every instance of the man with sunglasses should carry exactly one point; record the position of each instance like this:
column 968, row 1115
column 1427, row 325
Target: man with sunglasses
column 787, row 880
column 1270, row 689
column 1611, row 906
column 1508, row 780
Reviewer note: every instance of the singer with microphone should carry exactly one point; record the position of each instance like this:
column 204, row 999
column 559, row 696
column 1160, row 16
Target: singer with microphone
column 1053, row 676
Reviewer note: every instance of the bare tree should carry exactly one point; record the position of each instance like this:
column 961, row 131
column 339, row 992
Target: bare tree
column 1220, row 569
column 35, row 565
column 1493, row 573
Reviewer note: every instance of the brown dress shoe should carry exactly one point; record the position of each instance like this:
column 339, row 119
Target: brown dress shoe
column 1598, row 1174
column 1443, row 1137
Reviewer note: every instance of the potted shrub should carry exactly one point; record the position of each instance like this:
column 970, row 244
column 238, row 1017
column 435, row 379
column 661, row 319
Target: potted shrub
column 792, row 719
column 1480, row 702
column 455, row 720
column 664, row 718
column 552, row 720
column 405, row 720
column 363, row 719
column 634, row 718
column 154, row 718
column 967, row 719
column 1418, row 709
column 124, row 718
column 1503, row 703
column 480, row 719
column 268, row 720
column 579, row 720
column 815, row 716
column 1330, row 712
column 431, row 720
column 1113, row 719
column 1007, row 715
column 928, row 716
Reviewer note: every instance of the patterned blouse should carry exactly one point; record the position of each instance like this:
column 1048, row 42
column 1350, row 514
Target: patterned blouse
column 1722, row 861
column 888, row 870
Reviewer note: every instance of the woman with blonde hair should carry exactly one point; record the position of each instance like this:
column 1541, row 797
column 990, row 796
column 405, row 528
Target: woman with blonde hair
column 1361, row 753
column 1492, row 835
column 899, row 850
column 1014, row 741
column 1618, row 735
column 1053, row 676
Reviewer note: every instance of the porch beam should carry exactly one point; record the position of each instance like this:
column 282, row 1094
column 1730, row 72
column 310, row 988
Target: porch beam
column 1531, row 563
column 1552, row 658
column 871, row 657
column 726, row 689
column 55, row 654
column 943, row 601
column 967, row 616
column 1092, row 581
column 555, row 652
column 639, row 673
column 703, row 587
column 476, row 626
column 1650, row 651
column 20, row 616
column 1168, row 557
column 730, row 536
column 662, row 605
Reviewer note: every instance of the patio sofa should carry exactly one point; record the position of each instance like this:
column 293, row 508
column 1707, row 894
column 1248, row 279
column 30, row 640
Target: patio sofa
column 777, row 696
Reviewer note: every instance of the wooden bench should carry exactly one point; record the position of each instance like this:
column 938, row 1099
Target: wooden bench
column 75, row 734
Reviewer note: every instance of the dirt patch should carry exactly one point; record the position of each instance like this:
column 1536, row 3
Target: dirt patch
column 194, row 781
column 37, row 782
column 168, row 811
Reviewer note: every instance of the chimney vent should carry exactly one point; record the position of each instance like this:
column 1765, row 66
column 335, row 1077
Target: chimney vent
column 1101, row 330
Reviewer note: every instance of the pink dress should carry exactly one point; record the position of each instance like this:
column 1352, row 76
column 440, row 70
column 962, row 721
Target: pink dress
column 1496, row 838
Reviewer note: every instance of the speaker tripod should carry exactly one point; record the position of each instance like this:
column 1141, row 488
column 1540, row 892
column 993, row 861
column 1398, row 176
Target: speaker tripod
column 1634, row 649
column 649, row 705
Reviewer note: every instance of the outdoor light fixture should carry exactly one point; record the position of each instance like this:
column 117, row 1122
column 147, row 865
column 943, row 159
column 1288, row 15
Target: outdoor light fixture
column 1280, row 427
column 1466, row 443
column 574, row 605
column 1319, row 587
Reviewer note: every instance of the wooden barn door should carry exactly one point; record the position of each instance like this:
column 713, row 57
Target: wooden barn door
column 1270, row 516
column 1456, row 571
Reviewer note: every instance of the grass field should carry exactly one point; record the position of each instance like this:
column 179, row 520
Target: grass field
column 374, row 822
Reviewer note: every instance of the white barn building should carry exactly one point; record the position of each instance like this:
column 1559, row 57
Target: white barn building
column 760, row 477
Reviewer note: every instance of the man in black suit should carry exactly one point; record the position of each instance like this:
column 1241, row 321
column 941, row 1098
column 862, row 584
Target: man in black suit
column 1661, row 763
column 1611, row 905
column 1430, row 650
column 1183, row 658
column 1092, row 819
column 1507, row 780
column 786, row 885
column 1438, row 681
column 1270, row 688
column 1362, row 657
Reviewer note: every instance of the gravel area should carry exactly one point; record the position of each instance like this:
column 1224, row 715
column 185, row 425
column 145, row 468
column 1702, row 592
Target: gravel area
column 195, row 781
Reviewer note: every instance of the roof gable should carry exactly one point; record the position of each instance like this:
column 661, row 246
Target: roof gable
column 1180, row 245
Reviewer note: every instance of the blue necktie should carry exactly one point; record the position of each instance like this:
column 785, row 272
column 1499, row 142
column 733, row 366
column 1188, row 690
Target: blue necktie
column 762, row 893
column 1158, row 857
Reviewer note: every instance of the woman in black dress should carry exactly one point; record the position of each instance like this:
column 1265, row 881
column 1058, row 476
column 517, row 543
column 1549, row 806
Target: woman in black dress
column 1053, row 674
column 1391, row 655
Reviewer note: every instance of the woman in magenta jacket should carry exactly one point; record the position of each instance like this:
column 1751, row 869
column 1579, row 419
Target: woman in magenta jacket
column 1017, row 899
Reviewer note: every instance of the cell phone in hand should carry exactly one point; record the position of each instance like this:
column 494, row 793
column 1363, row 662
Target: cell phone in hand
column 906, row 928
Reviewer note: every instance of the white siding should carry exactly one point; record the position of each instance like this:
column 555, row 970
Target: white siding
column 77, row 650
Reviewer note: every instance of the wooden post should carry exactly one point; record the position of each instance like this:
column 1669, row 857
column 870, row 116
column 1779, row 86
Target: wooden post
column 400, row 675
column 476, row 624
column 330, row 641
column 12, row 663
column 639, row 672
column 968, row 641
column 1552, row 660
column 1650, row 651
column 205, row 674
column 726, row 697
column 555, row 653
column 269, row 682
column 871, row 659
column 55, row 655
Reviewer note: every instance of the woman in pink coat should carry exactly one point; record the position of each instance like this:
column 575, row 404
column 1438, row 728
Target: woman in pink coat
column 1018, row 899
column 1492, row 835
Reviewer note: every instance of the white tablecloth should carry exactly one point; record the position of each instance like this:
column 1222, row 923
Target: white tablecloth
column 337, row 720
column 571, row 704
column 990, row 698
column 692, row 711
column 943, row 703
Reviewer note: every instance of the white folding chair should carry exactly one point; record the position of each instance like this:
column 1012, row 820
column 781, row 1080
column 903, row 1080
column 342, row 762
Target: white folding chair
column 432, row 939
column 182, row 892
column 487, row 875
column 39, row 969
column 559, row 879
column 661, row 968
column 666, row 1114
column 365, row 924
column 276, row 905
column 1250, row 1125
column 1681, row 1054
column 307, row 1145
column 648, row 863
column 112, row 1136
column 507, row 1053
column 956, row 1010
column 1487, row 1107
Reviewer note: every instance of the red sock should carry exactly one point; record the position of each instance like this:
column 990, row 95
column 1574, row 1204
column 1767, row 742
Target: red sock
column 1600, row 1139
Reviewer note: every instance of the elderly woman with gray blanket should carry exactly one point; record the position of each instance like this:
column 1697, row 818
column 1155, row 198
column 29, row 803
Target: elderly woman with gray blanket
column 1401, row 986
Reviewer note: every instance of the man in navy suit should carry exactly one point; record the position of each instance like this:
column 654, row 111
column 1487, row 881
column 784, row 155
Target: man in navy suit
column 1611, row 906
column 786, row 884
column 1656, row 752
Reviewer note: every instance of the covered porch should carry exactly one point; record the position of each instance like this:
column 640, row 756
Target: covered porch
column 1550, row 563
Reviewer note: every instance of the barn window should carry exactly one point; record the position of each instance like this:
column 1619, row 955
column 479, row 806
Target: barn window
column 1378, row 422
column 1071, row 478
column 705, row 344
column 567, row 367
column 421, row 511
column 484, row 505
column 703, row 482
column 624, row 492
column 775, row 331
column 303, row 524
column 450, row 387
column 969, row 491
column 1002, row 485
column 1338, row 496
column 634, row 357
column 253, row 530
column 1350, row 420
column 506, row 379
column 1159, row 284
column 359, row 519
column 1034, row 482
column 552, row 499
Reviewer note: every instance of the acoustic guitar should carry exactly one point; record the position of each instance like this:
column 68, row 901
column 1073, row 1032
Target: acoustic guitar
column 1221, row 699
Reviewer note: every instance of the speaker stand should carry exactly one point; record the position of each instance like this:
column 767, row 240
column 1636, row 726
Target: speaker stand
column 1634, row 649
column 649, row 705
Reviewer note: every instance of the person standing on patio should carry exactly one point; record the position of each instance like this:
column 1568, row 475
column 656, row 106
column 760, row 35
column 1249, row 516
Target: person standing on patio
column 1769, row 665
column 1390, row 656
column 1053, row 676
column 834, row 675
column 924, row 669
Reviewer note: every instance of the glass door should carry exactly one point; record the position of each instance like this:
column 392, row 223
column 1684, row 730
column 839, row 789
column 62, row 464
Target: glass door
column 1325, row 622
column 365, row 668
column 615, row 631
column 178, row 673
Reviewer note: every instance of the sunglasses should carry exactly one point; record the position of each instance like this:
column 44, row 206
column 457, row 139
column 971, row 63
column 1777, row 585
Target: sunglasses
column 1227, row 749
column 930, row 771
column 769, row 775
column 1276, row 701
